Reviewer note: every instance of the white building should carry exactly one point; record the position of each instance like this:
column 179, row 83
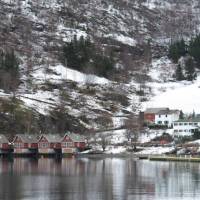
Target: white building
column 167, row 117
column 186, row 126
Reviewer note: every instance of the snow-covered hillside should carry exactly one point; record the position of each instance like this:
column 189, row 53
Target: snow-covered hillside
column 138, row 33
column 183, row 96
column 166, row 92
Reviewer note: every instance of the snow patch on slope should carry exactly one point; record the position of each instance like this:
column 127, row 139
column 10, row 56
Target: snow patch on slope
column 42, row 101
column 181, row 95
column 123, row 39
column 60, row 73
column 68, row 33
column 162, row 69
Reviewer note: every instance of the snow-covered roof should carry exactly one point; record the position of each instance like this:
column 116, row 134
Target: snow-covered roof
column 52, row 138
column 3, row 139
column 76, row 137
column 27, row 138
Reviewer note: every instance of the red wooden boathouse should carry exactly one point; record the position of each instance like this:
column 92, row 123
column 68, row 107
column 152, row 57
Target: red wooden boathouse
column 49, row 144
column 5, row 146
column 72, row 143
column 25, row 144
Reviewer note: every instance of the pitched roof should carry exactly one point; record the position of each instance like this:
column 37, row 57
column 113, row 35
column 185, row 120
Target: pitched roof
column 189, row 120
column 76, row 137
column 28, row 138
column 52, row 138
column 167, row 112
column 3, row 139
column 154, row 110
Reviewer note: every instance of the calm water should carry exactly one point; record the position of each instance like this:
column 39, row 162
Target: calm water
column 98, row 179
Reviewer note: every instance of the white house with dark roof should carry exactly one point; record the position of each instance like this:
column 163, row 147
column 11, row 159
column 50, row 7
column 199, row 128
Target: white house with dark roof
column 149, row 114
column 167, row 117
column 186, row 126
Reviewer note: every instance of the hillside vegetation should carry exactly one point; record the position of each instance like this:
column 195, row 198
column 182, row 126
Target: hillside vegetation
column 86, row 66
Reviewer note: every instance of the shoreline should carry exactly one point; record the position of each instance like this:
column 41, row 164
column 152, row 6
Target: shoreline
column 149, row 157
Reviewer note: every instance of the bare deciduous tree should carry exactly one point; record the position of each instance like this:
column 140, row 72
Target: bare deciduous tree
column 104, row 141
column 133, row 128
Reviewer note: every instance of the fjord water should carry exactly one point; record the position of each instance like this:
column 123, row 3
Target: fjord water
column 98, row 179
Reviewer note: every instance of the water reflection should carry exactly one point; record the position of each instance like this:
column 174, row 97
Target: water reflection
column 97, row 179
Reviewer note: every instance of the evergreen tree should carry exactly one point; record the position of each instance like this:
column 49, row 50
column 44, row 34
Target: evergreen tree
column 194, row 49
column 190, row 73
column 84, row 56
column 9, row 61
column 179, row 74
column 193, row 114
column 181, row 116
column 9, row 70
column 196, row 135
column 177, row 50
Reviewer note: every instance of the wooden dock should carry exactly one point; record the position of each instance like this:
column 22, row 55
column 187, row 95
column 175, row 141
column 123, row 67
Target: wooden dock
column 175, row 158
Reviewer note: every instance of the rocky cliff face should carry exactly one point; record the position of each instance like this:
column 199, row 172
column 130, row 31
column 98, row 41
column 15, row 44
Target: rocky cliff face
column 137, row 31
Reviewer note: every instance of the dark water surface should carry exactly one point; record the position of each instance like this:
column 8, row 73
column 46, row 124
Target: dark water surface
column 98, row 179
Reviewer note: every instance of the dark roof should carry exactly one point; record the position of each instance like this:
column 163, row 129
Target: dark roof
column 189, row 120
column 3, row 139
column 155, row 110
column 28, row 138
column 52, row 138
column 167, row 112
column 76, row 137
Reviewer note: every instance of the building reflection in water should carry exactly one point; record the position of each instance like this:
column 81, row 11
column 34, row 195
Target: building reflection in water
column 97, row 179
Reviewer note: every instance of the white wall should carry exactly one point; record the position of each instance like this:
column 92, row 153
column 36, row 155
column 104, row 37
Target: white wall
column 170, row 118
column 185, row 127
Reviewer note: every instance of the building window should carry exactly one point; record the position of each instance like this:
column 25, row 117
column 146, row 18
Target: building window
column 159, row 116
column 166, row 122
column 44, row 145
column 185, row 123
column 165, row 115
column 175, row 131
column 190, row 123
column 63, row 144
column 70, row 144
column 18, row 145
column 180, row 131
column 195, row 124
column 159, row 122
column 180, row 124
column 175, row 124
column 67, row 144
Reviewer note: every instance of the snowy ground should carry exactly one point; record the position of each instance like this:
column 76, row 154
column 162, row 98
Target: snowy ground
column 182, row 95
column 156, row 150
column 123, row 39
column 150, row 135
column 122, row 149
column 115, row 150
column 59, row 73
column 42, row 101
